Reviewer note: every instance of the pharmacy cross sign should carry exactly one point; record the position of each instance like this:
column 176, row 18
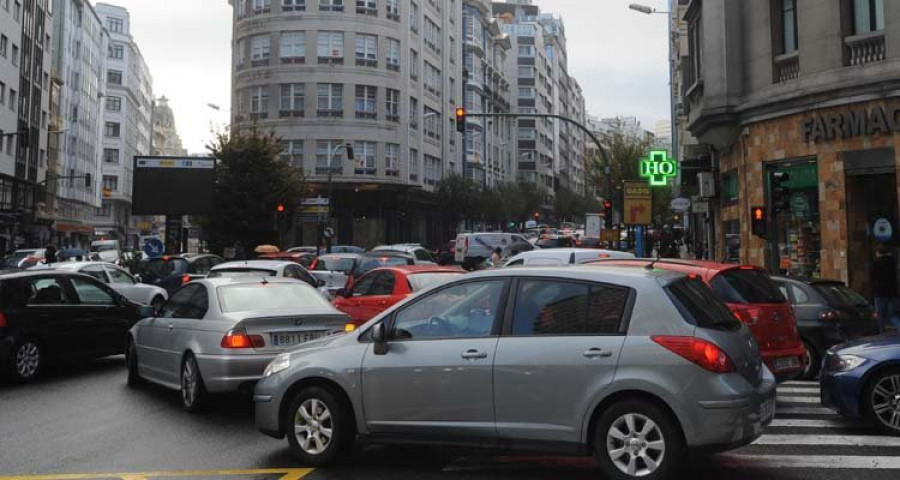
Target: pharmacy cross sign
column 658, row 168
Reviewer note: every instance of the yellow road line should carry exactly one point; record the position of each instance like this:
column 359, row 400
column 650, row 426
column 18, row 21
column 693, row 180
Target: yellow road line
column 287, row 474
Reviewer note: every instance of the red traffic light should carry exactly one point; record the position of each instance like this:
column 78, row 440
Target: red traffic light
column 461, row 120
column 759, row 214
column 280, row 208
column 607, row 204
column 537, row 214
column 460, row 112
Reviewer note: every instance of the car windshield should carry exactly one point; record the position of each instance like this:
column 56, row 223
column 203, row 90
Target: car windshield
column 103, row 248
column 242, row 273
column 699, row 305
column 840, row 295
column 552, row 243
column 164, row 267
column 421, row 281
column 245, row 297
column 746, row 287
column 334, row 264
column 371, row 263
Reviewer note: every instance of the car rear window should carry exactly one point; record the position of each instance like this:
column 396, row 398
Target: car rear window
column 421, row 281
column 241, row 273
column 552, row 243
column 746, row 287
column 246, row 297
column 163, row 268
column 699, row 306
column 368, row 264
column 334, row 264
column 839, row 295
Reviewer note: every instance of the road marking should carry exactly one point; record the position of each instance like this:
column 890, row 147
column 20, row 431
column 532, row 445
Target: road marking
column 841, row 440
column 795, row 399
column 800, row 383
column 803, row 391
column 286, row 474
column 805, row 411
column 803, row 423
column 809, row 462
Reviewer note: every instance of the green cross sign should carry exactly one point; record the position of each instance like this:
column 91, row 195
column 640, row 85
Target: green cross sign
column 658, row 168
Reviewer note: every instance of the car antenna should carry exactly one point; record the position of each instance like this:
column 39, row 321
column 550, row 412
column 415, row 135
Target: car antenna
column 652, row 264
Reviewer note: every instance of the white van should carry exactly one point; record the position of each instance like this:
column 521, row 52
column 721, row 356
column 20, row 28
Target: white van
column 564, row 256
column 473, row 248
column 107, row 250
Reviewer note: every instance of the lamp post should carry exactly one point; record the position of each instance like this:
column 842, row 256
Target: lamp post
column 347, row 148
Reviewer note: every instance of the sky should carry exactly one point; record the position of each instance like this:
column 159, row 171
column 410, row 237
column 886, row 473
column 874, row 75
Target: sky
column 618, row 56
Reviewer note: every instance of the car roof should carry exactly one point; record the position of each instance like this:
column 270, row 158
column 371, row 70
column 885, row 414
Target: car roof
column 70, row 265
column 38, row 273
column 616, row 275
column 807, row 280
column 697, row 266
column 386, row 253
column 349, row 255
column 415, row 269
column 260, row 264
column 221, row 281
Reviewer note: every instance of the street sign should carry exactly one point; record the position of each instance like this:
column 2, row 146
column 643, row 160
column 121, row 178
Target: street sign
column 315, row 202
column 328, row 233
column 638, row 204
column 314, row 210
column 153, row 247
column 658, row 168
column 592, row 225
column 680, row 204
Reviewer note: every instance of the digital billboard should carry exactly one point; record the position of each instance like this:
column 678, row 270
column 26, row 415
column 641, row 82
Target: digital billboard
column 173, row 185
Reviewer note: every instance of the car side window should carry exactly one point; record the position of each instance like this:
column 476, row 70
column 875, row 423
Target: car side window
column 363, row 286
column 306, row 260
column 422, row 255
column 119, row 276
column 553, row 307
column 783, row 288
column 189, row 302
column 299, row 273
column 518, row 263
column 198, row 304
column 468, row 310
column 90, row 293
column 383, row 284
column 800, row 297
column 201, row 266
column 47, row 291
column 97, row 272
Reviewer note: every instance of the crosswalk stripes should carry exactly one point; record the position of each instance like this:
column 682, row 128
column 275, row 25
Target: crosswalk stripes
column 807, row 436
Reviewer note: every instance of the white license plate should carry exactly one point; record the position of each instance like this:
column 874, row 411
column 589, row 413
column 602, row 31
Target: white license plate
column 767, row 410
column 786, row 363
column 289, row 339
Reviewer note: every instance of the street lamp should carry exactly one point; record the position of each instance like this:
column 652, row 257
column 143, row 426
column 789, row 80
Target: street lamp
column 637, row 7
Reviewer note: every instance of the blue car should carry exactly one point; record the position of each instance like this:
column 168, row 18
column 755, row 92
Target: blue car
column 862, row 379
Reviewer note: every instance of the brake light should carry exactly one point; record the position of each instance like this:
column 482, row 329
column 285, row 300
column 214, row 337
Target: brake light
column 185, row 279
column 705, row 354
column 3, row 322
column 748, row 267
column 237, row 339
column 830, row 316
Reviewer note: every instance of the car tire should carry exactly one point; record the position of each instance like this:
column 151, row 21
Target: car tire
column 157, row 303
column 881, row 401
column 131, row 362
column 812, row 367
column 26, row 360
column 193, row 392
column 314, row 413
column 637, row 439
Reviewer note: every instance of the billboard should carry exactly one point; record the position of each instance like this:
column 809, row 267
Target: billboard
column 173, row 185
column 638, row 204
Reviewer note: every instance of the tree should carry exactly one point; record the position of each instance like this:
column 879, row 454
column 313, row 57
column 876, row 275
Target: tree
column 251, row 182
column 457, row 198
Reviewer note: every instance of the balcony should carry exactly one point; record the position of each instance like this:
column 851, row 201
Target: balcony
column 365, row 171
column 393, row 118
column 365, row 62
column 787, row 67
column 367, row 115
column 393, row 16
column 259, row 115
column 331, row 60
column 291, row 113
column 865, row 48
column 367, row 11
column 392, row 173
column 337, row 170
column 393, row 66
column 293, row 60
column 329, row 113
column 263, row 62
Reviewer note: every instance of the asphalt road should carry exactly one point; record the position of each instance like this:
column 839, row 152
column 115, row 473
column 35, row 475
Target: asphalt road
column 83, row 419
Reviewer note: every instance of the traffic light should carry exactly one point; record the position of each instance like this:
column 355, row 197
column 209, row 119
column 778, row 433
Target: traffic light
column 607, row 211
column 537, row 215
column 350, row 154
column 781, row 195
column 759, row 221
column 279, row 208
column 461, row 120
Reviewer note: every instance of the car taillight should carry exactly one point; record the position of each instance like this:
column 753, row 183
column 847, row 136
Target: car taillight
column 3, row 322
column 830, row 316
column 185, row 279
column 705, row 354
column 239, row 339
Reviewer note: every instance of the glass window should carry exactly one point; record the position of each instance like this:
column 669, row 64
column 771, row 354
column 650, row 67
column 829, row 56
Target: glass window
column 47, row 291
column 800, row 297
column 383, row 284
column 293, row 97
column 97, row 272
column 746, row 287
column 840, row 295
column 90, row 293
column 789, row 25
column 366, row 160
column 698, row 305
column 392, row 104
column 366, row 47
column 117, row 275
column 392, row 159
column 191, row 301
column 245, row 297
column 242, row 273
column 461, row 311
column 868, row 16
column 117, row 51
column 293, row 45
column 393, row 54
column 562, row 308
column 114, row 104
column 113, row 129
column 260, row 47
column 331, row 5
column 111, row 155
column 330, row 97
column 362, row 287
column 331, row 44
column 334, row 264
column 422, row 281
column 114, row 77
column 293, row 5
column 365, row 101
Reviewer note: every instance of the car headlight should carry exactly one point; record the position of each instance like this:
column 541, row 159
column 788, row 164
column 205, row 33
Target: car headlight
column 843, row 363
column 278, row 364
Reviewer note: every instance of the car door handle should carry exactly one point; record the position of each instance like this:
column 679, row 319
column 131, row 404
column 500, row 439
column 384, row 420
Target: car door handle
column 473, row 355
column 597, row 353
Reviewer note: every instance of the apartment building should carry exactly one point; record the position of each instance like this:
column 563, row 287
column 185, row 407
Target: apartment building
column 10, row 58
column 166, row 141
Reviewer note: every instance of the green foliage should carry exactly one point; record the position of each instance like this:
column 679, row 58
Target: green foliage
column 251, row 181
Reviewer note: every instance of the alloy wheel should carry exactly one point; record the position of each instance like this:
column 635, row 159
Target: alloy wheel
column 886, row 401
column 189, row 385
column 635, row 445
column 313, row 426
column 28, row 360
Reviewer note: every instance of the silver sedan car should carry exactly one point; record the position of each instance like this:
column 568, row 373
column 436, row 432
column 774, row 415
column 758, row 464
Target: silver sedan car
column 632, row 366
column 269, row 268
column 116, row 278
column 218, row 335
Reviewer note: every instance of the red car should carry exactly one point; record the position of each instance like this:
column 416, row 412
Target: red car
column 755, row 300
column 382, row 288
column 303, row 258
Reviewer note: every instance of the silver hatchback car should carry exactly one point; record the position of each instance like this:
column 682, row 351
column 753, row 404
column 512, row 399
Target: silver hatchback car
column 635, row 367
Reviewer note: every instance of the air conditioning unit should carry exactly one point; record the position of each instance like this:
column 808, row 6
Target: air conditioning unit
column 707, row 182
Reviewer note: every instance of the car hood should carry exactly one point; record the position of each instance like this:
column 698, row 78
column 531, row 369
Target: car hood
column 869, row 346
column 315, row 345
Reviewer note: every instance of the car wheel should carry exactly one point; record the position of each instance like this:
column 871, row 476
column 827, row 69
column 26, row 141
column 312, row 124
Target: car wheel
column 882, row 397
column 157, row 303
column 193, row 393
column 318, row 426
column 812, row 362
column 636, row 439
column 131, row 361
column 26, row 360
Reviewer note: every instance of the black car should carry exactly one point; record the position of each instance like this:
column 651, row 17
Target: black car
column 173, row 272
column 54, row 316
column 828, row 313
column 555, row 241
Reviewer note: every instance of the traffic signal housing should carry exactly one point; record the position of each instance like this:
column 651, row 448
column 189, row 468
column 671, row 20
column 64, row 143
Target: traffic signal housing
column 350, row 153
column 461, row 120
column 781, row 195
column 759, row 221
column 607, row 212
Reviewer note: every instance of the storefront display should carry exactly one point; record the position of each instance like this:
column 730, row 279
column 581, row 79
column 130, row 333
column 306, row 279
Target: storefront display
column 796, row 231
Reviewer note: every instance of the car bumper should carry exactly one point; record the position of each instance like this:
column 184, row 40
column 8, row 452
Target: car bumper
column 841, row 391
column 781, row 375
column 232, row 373
column 823, row 337
column 267, row 407
column 730, row 421
column 6, row 345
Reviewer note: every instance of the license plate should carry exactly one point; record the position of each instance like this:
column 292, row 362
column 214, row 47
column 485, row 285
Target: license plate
column 767, row 411
column 787, row 363
column 288, row 339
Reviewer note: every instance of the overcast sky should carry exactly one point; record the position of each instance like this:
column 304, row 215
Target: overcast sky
column 618, row 56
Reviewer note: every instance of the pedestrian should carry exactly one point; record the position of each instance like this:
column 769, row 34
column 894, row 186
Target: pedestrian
column 884, row 285
column 496, row 255
column 50, row 254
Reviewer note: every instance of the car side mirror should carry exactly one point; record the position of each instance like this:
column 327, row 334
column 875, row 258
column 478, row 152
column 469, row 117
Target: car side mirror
column 138, row 279
column 379, row 337
column 147, row 311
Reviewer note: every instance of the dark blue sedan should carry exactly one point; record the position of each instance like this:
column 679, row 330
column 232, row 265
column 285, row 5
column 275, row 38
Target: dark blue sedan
column 862, row 379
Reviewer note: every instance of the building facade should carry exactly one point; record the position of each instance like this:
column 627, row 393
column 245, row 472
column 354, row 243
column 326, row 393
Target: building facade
column 803, row 123
column 128, row 128
column 166, row 141
column 381, row 75
column 80, row 52
column 10, row 48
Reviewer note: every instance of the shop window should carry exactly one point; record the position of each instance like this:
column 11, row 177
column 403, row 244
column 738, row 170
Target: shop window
column 730, row 191
column 732, row 241
column 795, row 228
